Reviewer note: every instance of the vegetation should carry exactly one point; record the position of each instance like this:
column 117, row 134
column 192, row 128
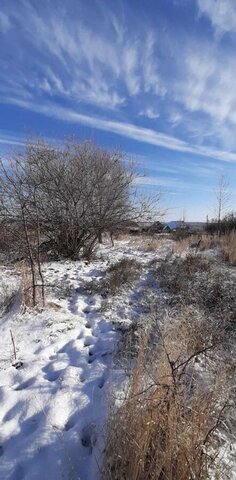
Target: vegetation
column 63, row 200
column 165, row 427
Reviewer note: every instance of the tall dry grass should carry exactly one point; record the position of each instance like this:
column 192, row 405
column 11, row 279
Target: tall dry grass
column 27, row 287
column 225, row 243
column 166, row 427
column 228, row 246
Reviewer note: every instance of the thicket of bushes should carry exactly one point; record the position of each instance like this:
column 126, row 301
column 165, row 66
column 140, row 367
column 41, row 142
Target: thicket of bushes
column 225, row 225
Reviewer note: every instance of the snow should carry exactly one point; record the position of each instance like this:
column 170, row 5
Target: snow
column 54, row 408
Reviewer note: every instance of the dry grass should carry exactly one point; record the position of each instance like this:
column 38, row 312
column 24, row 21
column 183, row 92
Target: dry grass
column 183, row 244
column 54, row 306
column 27, row 288
column 207, row 242
column 26, row 283
column 166, row 427
column 152, row 244
column 143, row 241
column 228, row 246
column 196, row 281
column 225, row 243
column 122, row 273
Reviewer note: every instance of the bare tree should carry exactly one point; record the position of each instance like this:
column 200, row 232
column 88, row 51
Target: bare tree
column 84, row 191
column 71, row 195
column 19, row 202
column 222, row 196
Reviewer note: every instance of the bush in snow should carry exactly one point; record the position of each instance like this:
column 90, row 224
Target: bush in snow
column 166, row 426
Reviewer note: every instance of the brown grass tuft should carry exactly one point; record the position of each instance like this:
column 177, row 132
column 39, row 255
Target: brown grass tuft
column 54, row 306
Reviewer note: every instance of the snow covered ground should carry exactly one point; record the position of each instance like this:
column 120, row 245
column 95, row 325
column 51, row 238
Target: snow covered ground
column 53, row 409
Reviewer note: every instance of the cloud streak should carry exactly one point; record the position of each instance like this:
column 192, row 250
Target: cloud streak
column 129, row 130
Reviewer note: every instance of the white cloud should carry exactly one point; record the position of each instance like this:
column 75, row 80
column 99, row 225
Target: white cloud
column 172, row 182
column 129, row 130
column 5, row 24
column 222, row 14
column 199, row 169
column 102, row 67
column 175, row 118
column 206, row 87
column 116, row 65
column 149, row 113
column 152, row 78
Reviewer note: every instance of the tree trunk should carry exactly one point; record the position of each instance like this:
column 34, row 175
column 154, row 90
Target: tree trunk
column 99, row 236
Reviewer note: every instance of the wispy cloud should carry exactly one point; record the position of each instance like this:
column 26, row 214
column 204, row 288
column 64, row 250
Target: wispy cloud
column 175, row 183
column 221, row 13
column 207, row 86
column 87, row 64
column 5, row 24
column 103, row 68
column 187, row 167
column 129, row 130
column 149, row 113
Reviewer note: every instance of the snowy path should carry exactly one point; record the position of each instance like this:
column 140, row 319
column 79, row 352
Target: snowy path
column 52, row 411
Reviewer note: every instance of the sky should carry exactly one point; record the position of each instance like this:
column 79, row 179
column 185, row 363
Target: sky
column 155, row 78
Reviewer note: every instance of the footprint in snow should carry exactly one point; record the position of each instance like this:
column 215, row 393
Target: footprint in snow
column 29, row 426
column 88, row 341
column 1, row 450
column 82, row 378
column 89, row 436
column 52, row 375
column 87, row 310
column 15, row 410
column 102, row 381
column 25, row 384
column 70, row 423
column 92, row 358
column 105, row 326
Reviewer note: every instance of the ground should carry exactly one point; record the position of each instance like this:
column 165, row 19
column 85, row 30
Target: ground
column 54, row 408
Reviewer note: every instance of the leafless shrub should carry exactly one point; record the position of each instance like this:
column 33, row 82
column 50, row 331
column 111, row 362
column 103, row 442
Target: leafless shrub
column 167, row 426
column 177, row 275
column 129, row 342
column 95, row 286
column 195, row 280
column 122, row 273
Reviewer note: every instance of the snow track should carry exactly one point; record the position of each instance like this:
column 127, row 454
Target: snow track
column 53, row 410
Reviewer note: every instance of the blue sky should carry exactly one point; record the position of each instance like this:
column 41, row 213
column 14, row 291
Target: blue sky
column 153, row 77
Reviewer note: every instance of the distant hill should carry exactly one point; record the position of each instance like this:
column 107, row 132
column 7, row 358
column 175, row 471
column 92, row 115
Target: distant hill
column 175, row 224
